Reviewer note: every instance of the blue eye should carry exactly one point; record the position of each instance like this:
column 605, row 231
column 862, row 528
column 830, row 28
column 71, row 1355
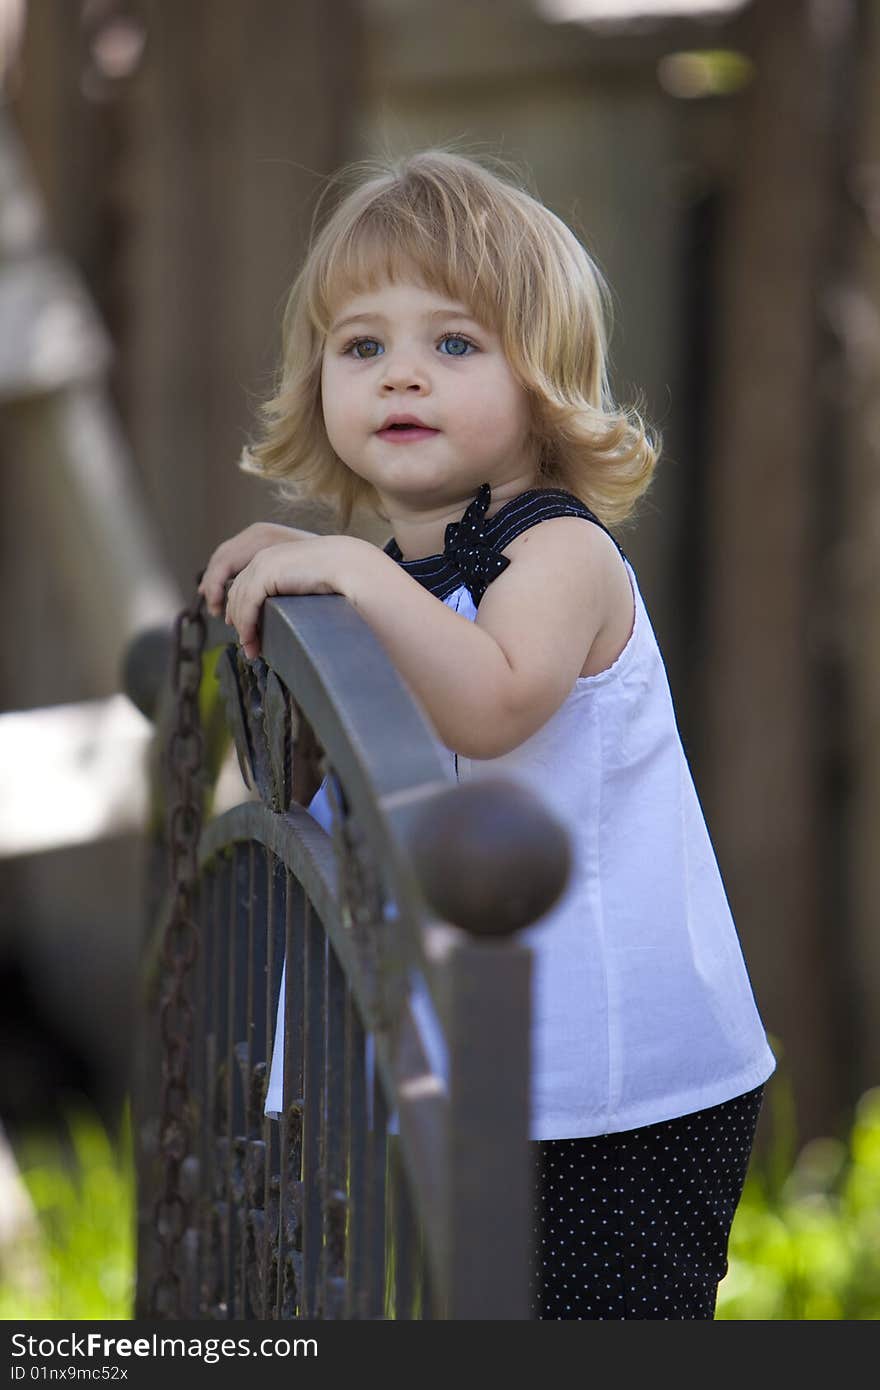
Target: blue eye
column 364, row 342
column 457, row 338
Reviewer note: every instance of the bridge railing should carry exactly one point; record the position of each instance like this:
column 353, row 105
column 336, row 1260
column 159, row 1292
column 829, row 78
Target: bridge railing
column 397, row 1180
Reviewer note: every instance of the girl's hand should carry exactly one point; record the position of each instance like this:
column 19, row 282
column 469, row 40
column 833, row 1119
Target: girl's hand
column 234, row 554
column 316, row 565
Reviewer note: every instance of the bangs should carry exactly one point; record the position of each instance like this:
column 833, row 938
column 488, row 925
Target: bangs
column 442, row 248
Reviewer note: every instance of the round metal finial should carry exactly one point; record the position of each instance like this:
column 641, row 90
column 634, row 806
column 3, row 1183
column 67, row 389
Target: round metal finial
column 145, row 667
column 490, row 857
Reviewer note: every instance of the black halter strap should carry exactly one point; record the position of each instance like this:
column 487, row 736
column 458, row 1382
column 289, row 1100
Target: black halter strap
column 472, row 550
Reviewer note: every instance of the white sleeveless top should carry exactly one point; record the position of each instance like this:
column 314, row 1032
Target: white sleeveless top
column 642, row 1009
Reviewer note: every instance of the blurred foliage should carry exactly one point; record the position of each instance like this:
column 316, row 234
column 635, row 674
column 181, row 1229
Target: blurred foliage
column 82, row 1190
column 212, row 711
column 706, row 72
column 805, row 1243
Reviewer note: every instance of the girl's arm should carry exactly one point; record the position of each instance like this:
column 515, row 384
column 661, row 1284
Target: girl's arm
column 487, row 685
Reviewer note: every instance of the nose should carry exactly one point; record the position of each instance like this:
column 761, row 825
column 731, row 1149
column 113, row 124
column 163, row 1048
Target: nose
column 403, row 371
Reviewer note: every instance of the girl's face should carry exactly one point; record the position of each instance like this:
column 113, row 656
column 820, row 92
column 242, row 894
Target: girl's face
column 404, row 350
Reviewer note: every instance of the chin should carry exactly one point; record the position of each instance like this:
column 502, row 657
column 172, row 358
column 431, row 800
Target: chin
column 410, row 480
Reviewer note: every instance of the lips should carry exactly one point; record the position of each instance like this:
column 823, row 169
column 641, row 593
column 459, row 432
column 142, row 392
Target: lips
column 400, row 423
column 405, row 429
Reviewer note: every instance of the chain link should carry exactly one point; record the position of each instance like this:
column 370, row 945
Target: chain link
column 180, row 945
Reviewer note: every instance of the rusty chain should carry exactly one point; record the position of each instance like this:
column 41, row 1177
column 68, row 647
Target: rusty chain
column 180, row 944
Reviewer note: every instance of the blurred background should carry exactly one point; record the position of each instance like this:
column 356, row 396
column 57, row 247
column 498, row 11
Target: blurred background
column 159, row 166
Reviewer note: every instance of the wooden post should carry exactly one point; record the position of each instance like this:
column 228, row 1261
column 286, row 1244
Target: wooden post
column 762, row 789
column 860, row 555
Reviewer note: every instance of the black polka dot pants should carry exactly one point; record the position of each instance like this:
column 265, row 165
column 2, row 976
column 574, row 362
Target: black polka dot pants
column 635, row 1225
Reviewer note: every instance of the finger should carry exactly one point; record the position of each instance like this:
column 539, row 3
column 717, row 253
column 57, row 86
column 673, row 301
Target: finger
column 249, row 639
column 229, row 611
column 211, row 603
column 211, row 590
column 243, row 606
column 225, row 578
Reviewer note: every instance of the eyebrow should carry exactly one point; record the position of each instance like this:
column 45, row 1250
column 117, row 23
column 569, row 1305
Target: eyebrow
column 453, row 310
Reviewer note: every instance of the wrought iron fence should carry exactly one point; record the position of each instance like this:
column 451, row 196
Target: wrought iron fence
column 397, row 1181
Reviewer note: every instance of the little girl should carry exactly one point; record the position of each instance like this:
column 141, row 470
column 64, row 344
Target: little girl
column 445, row 364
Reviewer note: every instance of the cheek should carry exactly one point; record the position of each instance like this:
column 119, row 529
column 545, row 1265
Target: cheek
column 331, row 399
column 510, row 408
column 521, row 406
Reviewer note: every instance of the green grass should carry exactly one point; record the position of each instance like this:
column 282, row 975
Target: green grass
column 83, row 1193
column 805, row 1243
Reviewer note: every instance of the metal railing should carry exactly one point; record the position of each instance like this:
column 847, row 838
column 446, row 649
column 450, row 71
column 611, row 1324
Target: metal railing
column 406, row 993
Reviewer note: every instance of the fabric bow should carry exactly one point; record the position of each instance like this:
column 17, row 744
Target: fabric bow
column 466, row 546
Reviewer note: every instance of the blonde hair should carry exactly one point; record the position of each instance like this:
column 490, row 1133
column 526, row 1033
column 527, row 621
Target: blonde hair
column 446, row 221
